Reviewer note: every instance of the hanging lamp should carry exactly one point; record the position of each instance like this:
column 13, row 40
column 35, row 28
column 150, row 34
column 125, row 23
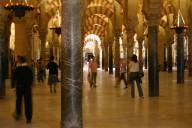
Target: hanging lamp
column 19, row 7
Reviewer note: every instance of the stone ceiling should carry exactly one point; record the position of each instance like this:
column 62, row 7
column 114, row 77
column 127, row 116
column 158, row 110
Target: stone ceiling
column 101, row 15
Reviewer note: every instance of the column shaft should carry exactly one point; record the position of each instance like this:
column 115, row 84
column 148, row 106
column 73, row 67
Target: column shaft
column 190, row 53
column 165, row 59
column 2, row 69
column 3, row 17
column 169, row 58
column 140, row 54
column 110, row 59
column 103, row 59
column 44, row 52
column 146, row 57
column 106, row 58
column 180, row 58
column 153, row 73
column 117, row 57
column 71, row 65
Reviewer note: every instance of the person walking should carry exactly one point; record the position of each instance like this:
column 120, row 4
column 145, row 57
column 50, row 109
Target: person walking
column 40, row 71
column 22, row 80
column 123, row 70
column 134, row 76
column 93, row 72
column 53, row 74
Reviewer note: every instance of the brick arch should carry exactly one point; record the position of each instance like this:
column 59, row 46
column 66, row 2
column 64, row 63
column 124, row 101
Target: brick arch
column 104, row 7
column 99, row 9
column 96, row 20
column 96, row 29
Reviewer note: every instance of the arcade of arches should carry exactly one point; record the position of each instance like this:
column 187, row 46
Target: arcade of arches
column 155, row 30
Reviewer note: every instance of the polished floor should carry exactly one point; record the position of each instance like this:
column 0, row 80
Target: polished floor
column 107, row 106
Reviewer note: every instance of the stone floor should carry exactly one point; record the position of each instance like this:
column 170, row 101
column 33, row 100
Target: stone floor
column 108, row 107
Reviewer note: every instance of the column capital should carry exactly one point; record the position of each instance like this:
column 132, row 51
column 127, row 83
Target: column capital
column 152, row 11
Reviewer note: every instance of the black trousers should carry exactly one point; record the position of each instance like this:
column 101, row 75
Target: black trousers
column 26, row 93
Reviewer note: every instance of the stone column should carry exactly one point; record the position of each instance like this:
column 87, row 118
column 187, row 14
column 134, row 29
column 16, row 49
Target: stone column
column 106, row 57
column 169, row 58
column 2, row 54
column 146, row 51
column 190, row 52
column 165, row 59
column 44, row 54
column 103, row 57
column 130, row 43
column 117, row 55
column 2, row 71
column 153, row 73
column 71, row 65
column 22, row 43
column 152, row 10
column 111, row 58
column 140, row 41
column 146, row 57
column 180, row 55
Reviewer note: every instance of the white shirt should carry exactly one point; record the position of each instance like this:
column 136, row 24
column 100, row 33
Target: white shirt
column 133, row 67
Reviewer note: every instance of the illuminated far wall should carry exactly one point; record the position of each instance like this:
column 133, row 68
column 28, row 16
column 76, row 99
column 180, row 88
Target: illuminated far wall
column 92, row 44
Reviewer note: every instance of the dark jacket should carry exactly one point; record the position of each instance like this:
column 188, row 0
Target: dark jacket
column 53, row 68
column 22, row 76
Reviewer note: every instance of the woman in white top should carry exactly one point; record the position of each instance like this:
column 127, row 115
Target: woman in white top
column 134, row 76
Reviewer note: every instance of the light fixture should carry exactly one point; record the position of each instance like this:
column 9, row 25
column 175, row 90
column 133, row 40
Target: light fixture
column 179, row 24
column 57, row 29
column 19, row 7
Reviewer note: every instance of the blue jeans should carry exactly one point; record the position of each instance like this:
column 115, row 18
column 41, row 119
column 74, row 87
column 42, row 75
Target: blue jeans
column 135, row 78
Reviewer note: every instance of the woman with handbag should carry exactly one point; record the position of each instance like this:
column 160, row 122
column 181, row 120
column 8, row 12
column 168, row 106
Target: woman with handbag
column 134, row 76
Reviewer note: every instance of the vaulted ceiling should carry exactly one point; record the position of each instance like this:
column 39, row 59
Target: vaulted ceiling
column 103, row 16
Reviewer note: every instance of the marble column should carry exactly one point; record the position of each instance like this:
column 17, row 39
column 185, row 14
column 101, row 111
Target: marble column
column 6, row 59
column 153, row 73
column 190, row 52
column 165, row 59
column 44, row 54
column 140, row 41
column 7, row 33
column 71, row 65
column 2, row 54
column 111, row 58
column 106, row 58
column 152, row 10
column 22, row 43
column 180, row 55
column 2, row 66
column 103, row 59
column 169, row 58
column 146, row 58
column 117, row 56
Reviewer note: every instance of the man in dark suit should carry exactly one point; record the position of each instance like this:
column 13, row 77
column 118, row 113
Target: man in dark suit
column 22, row 80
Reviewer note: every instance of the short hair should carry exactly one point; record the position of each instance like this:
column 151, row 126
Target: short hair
column 22, row 59
column 134, row 58
column 51, row 58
